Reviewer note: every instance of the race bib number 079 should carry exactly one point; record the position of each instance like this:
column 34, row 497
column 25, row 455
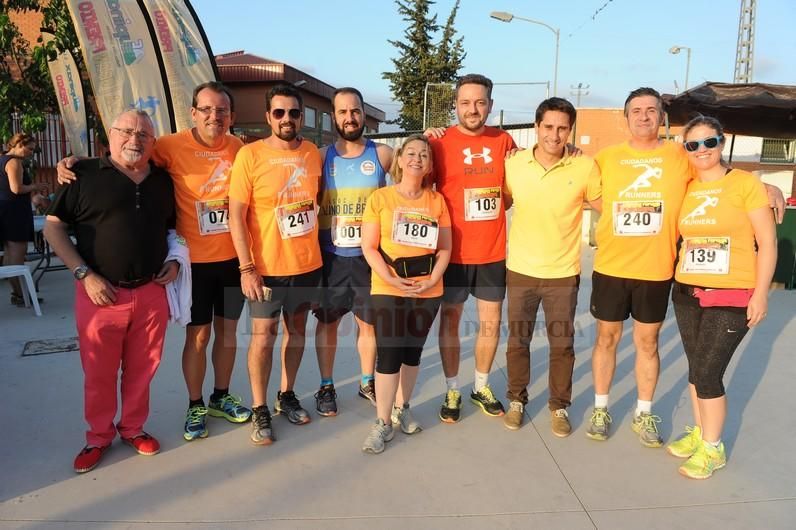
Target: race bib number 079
column 415, row 230
column 637, row 218
column 296, row 219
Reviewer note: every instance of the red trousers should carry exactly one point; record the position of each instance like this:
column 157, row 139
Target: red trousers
column 128, row 334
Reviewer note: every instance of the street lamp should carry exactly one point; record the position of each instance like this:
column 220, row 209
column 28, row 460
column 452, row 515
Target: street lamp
column 508, row 17
column 674, row 50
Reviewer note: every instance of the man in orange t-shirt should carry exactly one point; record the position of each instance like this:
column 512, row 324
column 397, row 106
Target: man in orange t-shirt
column 468, row 162
column 273, row 219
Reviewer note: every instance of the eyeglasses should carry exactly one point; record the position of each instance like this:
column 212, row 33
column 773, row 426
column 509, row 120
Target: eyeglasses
column 129, row 133
column 280, row 113
column 220, row 111
column 709, row 143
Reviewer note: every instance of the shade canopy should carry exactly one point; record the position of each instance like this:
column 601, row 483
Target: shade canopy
column 753, row 109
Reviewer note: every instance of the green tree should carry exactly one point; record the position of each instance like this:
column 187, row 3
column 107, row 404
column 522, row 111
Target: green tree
column 420, row 60
column 25, row 86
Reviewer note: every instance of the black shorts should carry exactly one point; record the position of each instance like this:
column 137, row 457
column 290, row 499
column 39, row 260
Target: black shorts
column 289, row 294
column 215, row 292
column 346, row 287
column 484, row 281
column 16, row 220
column 614, row 299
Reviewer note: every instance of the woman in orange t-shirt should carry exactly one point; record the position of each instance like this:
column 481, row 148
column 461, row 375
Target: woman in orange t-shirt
column 721, row 284
column 406, row 229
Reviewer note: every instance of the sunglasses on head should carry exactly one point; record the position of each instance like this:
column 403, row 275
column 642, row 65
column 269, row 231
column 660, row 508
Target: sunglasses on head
column 280, row 113
column 709, row 143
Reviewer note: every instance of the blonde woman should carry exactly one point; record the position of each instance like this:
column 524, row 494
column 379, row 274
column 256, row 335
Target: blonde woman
column 406, row 240
column 726, row 262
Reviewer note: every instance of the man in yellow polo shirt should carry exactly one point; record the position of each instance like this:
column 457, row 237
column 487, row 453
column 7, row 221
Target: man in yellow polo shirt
column 548, row 188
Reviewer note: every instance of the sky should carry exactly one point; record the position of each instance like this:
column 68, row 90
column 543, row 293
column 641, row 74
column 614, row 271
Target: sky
column 613, row 46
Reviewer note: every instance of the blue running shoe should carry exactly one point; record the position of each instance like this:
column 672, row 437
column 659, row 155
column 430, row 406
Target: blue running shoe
column 195, row 423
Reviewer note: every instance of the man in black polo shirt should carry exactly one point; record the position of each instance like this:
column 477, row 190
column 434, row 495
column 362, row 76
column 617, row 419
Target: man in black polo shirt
column 120, row 209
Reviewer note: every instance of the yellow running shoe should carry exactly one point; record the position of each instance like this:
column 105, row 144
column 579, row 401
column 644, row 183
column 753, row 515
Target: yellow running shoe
column 687, row 444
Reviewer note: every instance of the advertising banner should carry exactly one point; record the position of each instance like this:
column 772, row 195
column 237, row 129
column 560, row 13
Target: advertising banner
column 72, row 103
column 122, row 60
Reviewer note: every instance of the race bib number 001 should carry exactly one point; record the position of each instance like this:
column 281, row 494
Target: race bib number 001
column 637, row 218
column 481, row 204
column 347, row 231
column 706, row 255
column 296, row 219
column 415, row 230
column 213, row 216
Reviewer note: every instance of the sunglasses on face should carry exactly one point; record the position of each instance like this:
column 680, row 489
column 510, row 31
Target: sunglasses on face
column 280, row 113
column 709, row 143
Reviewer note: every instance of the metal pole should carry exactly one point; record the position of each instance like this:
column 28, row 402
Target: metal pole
column 687, row 67
column 555, row 69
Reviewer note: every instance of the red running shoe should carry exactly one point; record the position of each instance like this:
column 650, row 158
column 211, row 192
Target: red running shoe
column 88, row 458
column 144, row 443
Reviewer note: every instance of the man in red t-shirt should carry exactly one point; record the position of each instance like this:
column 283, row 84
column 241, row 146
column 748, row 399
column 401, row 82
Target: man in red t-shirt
column 469, row 173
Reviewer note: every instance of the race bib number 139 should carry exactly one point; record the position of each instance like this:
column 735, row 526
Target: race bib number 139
column 706, row 255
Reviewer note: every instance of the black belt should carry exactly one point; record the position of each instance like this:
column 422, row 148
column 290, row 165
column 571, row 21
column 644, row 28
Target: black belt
column 132, row 284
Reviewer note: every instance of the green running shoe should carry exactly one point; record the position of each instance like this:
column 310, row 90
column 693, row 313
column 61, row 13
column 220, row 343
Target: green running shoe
column 229, row 408
column 704, row 461
column 687, row 444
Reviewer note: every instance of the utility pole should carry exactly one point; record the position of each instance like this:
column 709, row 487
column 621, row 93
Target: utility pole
column 744, row 54
column 578, row 91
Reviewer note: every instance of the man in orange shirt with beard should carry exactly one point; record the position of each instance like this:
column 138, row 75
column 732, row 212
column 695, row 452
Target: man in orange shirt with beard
column 273, row 219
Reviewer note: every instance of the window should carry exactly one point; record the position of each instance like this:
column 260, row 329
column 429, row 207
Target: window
column 775, row 151
column 326, row 122
column 309, row 118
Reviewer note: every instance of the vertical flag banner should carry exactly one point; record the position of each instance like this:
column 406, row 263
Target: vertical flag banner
column 72, row 103
column 187, row 58
column 122, row 60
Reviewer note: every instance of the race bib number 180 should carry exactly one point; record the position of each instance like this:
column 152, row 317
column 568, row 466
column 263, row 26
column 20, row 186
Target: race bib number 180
column 296, row 219
column 637, row 218
column 706, row 255
column 415, row 230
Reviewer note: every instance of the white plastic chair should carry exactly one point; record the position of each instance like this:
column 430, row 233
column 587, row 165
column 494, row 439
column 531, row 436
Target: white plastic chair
column 28, row 291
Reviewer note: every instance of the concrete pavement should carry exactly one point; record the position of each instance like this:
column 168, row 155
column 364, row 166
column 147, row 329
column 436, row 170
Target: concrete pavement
column 468, row 475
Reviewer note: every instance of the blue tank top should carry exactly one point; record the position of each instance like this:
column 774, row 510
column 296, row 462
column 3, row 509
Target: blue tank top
column 347, row 184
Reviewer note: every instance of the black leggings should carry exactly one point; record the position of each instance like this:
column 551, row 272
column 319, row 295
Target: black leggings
column 710, row 337
column 402, row 326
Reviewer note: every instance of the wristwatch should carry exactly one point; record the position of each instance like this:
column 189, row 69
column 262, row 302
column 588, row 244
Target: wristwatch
column 80, row 272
